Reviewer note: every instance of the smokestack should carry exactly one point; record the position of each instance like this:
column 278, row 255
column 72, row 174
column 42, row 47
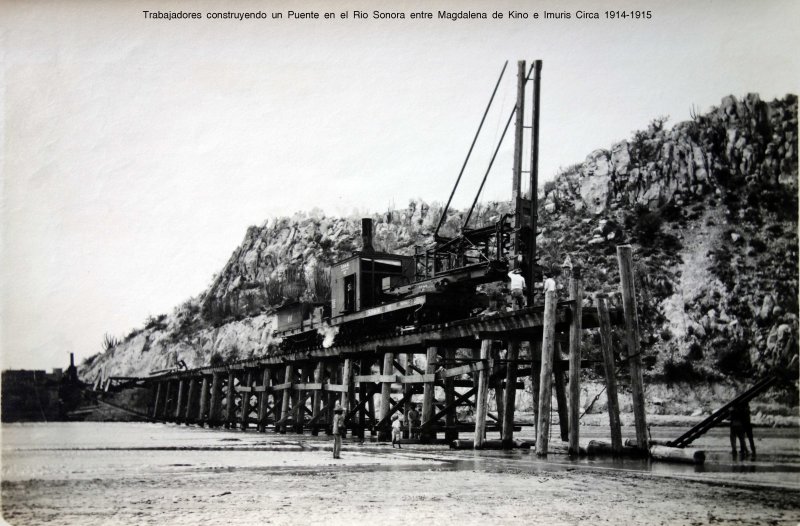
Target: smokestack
column 366, row 235
column 71, row 360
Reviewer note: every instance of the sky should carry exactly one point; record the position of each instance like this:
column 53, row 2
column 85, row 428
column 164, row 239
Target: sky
column 136, row 152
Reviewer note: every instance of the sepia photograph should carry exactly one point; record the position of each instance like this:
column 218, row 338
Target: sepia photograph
column 307, row 262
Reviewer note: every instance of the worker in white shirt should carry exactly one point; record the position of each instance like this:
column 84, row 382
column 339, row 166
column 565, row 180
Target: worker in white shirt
column 517, row 287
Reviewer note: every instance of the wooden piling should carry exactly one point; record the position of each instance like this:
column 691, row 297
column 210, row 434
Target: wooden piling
column 214, row 409
column 159, row 396
column 179, row 401
column 299, row 398
column 263, row 399
column 575, row 333
column 202, row 412
column 451, row 432
column 482, row 396
column 625, row 258
column 611, row 378
column 230, row 406
column 536, row 374
column 316, row 400
column 546, row 376
column 386, row 394
column 245, row 404
column 496, row 381
column 288, row 378
column 510, row 393
column 191, row 400
column 428, row 388
column 164, row 411
column 561, row 395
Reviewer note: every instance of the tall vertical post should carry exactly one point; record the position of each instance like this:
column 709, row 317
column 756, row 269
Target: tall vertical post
column 519, row 128
column 202, row 412
column 316, row 399
column 386, row 394
column 428, row 393
column 347, row 381
column 560, row 388
column 230, row 406
column 482, row 396
column 546, row 376
column 164, row 411
column 159, row 397
column 213, row 411
column 263, row 399
column 611, row 377
column 405, row 360
column 300, row 400
column 244, row 416
column 277, row 401
column 625, row 258
column 510, row 394
column 451, row 432
column 536, row 376
column 286, row 394
column 534, row 173
column 191, row 400
column 497, row 386
column 575, row 332
column 179, row 401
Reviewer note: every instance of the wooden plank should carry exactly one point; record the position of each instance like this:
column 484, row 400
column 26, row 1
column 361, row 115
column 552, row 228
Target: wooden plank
column 334, row 388
column 416, row 378
column 462, row 369
column 263, row 398
column 244, row 389
column 308, row 387
column 283, row 386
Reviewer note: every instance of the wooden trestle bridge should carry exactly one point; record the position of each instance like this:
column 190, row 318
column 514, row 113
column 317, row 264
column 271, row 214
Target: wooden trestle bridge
column 296, row 392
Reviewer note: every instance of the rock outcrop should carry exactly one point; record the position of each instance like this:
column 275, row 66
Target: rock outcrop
column 710, row 206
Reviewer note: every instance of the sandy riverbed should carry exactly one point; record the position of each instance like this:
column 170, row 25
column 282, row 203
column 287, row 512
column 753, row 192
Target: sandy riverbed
column 89, row 473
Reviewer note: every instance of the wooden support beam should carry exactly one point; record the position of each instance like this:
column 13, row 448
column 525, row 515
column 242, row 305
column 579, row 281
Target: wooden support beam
column 396, row 406
column 496, row 382
column 159, row 396
column 386, row 393
column 244, row 418
column 575, row 333
column 202, row 413
column 167, row 401
column 482, row 397
column 606, row 346
column 288, row 378
column 451, row 432
column 263, row 399
column 626, row 277
column 510, row 394
column 348, row 395
column 450, row 407
column 230, row 406
column 179, row 401
column 214, row 409
column 316, row 400
column 535, row 372
column 191, row 400
column 561, row 399
column 428, row 393
column 277, row 401
column 299, row 399
column 546, row 376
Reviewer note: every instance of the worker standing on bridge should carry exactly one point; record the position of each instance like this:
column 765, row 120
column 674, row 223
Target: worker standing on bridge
column 338, row 427
column 517, row 287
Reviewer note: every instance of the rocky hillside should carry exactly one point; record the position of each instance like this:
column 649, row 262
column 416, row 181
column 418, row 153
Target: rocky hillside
column 710, row 206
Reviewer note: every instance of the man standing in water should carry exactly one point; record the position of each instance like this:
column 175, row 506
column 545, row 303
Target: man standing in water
column 338, row 427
